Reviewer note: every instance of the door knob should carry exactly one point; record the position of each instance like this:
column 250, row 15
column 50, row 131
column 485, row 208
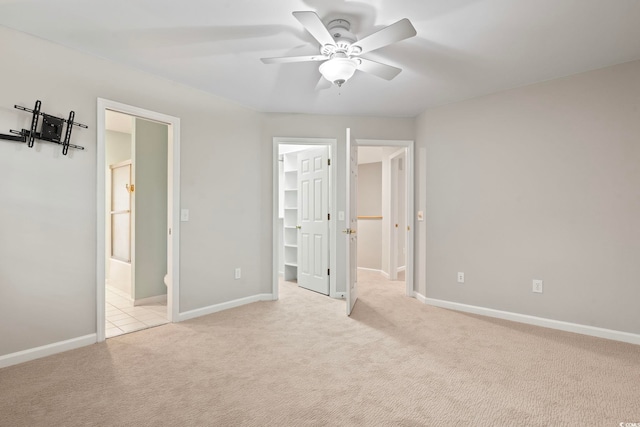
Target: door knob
column 298, row 227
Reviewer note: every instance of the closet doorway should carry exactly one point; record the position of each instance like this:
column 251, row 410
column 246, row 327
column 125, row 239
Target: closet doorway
column 304, row 202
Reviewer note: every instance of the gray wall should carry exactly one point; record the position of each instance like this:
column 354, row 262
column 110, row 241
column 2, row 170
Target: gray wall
column 540, row 182
column 48, row 209
column 370, row 204
column 150, row 196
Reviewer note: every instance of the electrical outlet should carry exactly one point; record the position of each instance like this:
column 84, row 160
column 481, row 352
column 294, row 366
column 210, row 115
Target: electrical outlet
column 238, row 273
column 460, row 277
column 537, row 286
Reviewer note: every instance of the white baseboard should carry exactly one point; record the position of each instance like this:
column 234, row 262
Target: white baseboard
column 150, row 300
column 385, row 275
column 401, row 269
column 533, row 320
column 420, row 297
column 340, row 295
column 46, row 350
column 370, row 269
column 223, row 306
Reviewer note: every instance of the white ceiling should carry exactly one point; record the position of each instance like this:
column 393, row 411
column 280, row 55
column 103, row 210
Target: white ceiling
column 463, row 49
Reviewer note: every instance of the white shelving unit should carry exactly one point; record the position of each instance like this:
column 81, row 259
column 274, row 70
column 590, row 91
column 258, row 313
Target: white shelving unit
column 290, row 206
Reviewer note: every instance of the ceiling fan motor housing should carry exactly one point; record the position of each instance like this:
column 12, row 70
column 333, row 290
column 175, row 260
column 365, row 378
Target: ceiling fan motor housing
column 344, row 39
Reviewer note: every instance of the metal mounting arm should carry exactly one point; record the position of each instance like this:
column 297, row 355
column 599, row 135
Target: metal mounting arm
column 51, row 129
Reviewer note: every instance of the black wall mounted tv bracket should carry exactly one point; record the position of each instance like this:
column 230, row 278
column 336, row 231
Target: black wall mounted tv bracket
column 50, row 131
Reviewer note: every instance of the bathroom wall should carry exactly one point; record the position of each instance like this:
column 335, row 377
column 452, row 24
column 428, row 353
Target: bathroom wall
column 150, row 198
column 117, row 149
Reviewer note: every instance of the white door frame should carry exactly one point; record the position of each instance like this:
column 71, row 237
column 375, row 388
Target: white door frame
column 393, row 212
column 333, row 144
column 173, row 219
column 409, row 146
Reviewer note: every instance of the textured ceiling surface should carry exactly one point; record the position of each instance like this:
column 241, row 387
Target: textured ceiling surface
column 463, row 48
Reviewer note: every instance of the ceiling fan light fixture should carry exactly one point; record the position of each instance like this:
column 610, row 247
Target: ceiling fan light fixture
column 339, row 70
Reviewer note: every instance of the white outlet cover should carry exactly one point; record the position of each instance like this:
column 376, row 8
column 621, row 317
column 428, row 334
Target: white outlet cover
column 537, row 286
column 460, row 277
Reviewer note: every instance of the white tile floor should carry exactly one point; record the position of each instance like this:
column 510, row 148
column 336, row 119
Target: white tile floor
column 122, row 317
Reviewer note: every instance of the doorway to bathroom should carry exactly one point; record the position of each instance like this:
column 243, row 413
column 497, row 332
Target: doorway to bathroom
column 136, row 286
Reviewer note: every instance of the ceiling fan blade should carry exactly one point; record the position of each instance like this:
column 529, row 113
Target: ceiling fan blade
column 288, row 59
column 403, row 29
column 384, row 71
column 323, row 84
column 315, row 27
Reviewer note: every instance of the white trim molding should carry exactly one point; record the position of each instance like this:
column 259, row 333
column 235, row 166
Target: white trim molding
column 46, row 350
column 420, row 297
column 375, row 270
column 533, row 320
column 224, row 306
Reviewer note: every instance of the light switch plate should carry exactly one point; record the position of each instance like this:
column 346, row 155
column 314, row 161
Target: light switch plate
column 184, row 215
column 420, row 216
column 340, row 215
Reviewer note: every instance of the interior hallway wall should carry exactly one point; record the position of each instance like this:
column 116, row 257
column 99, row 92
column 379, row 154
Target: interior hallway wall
column 370, row 204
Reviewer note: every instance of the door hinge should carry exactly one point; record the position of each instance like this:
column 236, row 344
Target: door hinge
column 329, row 216
column 328, row 271
column 329, row 162
column 169, row 232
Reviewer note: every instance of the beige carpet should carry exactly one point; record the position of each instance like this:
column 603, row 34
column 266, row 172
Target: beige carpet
column 300, row 361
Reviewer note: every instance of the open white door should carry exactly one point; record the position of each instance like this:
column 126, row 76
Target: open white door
column 352, row 222
column 313, row 219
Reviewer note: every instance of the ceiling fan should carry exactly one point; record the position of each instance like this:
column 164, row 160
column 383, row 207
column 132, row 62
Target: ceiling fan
column 340, row 49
